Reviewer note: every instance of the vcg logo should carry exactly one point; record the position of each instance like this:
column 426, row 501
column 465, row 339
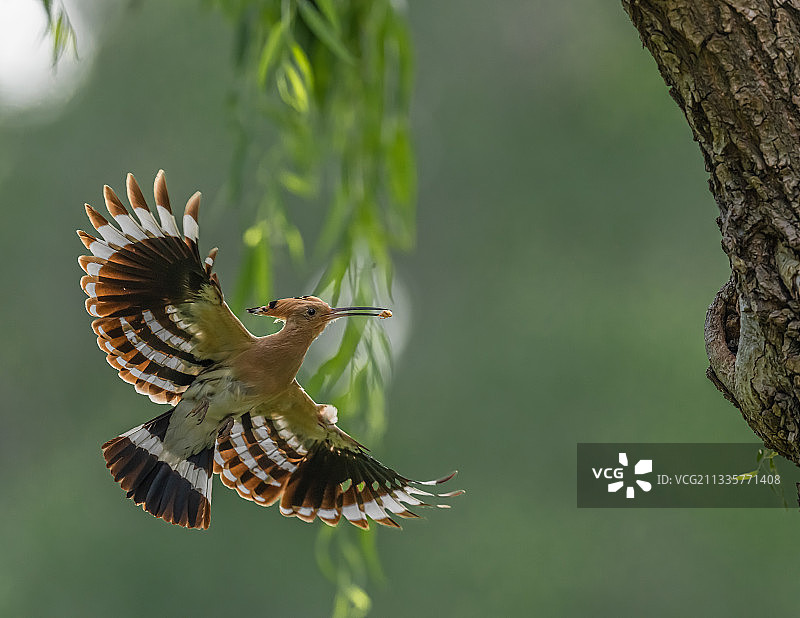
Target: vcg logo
column 643, row 466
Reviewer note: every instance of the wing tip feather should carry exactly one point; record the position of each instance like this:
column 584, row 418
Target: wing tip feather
column 135, row 195
column 193, row 205
column 114, row 205
column 160, row 191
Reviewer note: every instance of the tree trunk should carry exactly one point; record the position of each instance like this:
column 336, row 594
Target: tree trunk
column 733, row 67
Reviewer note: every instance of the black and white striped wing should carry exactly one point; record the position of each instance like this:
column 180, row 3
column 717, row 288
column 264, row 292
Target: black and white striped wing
column 161, row 316
column 265, row 460
column 255, row 460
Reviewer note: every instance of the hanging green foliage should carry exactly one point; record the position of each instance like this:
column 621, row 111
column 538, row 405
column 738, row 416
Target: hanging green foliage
column 321, row 115
column 60, row 30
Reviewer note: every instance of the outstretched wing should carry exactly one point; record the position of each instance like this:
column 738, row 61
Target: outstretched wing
column 161, row 316
column 315, row 472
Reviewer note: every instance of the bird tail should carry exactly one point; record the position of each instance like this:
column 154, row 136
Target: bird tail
column 175, row 489
column 264, row 461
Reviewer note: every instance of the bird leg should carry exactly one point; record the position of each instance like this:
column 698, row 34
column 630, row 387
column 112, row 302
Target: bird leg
column 200, row 410
column 225, row 428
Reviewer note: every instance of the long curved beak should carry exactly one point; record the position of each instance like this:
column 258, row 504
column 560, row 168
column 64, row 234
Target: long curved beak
column 378, row 312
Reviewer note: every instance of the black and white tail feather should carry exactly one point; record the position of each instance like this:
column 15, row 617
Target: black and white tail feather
column 173, row 488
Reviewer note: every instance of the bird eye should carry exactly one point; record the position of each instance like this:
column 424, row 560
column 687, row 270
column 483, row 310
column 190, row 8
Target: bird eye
column 311, row 311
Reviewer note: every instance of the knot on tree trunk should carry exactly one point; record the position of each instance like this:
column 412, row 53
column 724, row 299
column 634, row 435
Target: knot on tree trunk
column 754, row 357
column 722, row 340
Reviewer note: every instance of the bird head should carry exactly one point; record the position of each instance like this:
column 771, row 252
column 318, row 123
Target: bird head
column 312, row 313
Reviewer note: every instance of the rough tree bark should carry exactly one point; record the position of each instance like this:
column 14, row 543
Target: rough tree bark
column 733, row 67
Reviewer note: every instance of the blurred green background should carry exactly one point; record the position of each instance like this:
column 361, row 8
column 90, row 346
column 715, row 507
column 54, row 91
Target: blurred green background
column 566, row 254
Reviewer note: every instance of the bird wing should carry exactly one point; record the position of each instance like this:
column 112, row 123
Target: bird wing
column 293, row 455
column 161, row 315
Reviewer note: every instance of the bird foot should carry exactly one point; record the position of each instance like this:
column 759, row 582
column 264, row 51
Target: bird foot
column 200, row 410
column 225, row 428
column 328, row 414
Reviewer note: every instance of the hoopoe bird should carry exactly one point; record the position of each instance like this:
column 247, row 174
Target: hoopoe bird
column 237, row 409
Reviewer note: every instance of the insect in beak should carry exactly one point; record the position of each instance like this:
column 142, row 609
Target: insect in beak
column 340, row 312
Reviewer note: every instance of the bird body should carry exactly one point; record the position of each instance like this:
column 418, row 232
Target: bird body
column 237, row 408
